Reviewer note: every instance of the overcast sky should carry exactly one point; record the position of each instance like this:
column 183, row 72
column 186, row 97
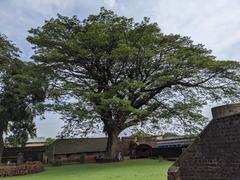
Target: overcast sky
column 214, row 23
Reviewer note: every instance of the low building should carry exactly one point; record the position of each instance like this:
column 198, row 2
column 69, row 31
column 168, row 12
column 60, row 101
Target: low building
column 10, row 154
column 34, row 150
column 152, row 147
column 78, row 149
column 172, row 148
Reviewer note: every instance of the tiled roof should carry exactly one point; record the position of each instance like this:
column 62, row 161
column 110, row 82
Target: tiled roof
column 37, row 140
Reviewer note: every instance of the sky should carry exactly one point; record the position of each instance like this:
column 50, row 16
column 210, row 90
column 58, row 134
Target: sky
column 215, row 23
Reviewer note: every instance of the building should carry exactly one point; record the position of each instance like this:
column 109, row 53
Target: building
column 172, row 148
column 80, row 149
column 215, row 153
column 155, row 146
column 76, row 150
column 85, row 150
column 34, row 150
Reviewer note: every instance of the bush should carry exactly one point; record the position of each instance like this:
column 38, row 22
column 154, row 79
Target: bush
column 105, row 159
column 82, row 158
column 56, row 163
column 160, row 159
column 26, row 168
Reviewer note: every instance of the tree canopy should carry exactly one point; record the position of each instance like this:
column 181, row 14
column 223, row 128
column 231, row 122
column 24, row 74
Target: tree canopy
column 111, row 70
column 21, row 89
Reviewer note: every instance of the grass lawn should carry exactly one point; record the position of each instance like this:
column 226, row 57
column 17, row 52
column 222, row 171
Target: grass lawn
column 143, row 169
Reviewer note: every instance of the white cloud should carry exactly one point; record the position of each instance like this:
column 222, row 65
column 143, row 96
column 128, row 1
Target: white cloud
column 110, row 3
column 214, row 23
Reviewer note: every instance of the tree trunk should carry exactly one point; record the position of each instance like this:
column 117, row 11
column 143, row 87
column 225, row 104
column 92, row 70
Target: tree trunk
column 1, row 145
column 112, row 145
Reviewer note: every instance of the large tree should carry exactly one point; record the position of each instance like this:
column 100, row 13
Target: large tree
column 21, row 89
column 111, row 70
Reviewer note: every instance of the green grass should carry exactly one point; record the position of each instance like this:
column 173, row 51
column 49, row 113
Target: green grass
column 143, row 169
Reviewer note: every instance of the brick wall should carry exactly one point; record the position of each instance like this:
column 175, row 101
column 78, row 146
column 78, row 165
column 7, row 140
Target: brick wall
column 215, row 154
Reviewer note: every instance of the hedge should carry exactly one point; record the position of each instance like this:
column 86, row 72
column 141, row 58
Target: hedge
column 23, row 169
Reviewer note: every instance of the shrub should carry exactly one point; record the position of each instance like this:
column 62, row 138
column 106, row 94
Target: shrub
column 82, row 158
column 105, row 159
column 26, row 168
column 56, row 163
column 160, row 158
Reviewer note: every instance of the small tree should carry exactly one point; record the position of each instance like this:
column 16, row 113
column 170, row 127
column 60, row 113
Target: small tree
column 50, row 140
column 21, row 89
column 108, row 69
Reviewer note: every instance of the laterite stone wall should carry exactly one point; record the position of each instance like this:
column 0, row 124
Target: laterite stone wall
column 215, row 154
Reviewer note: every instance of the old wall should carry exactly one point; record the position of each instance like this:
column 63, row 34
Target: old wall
column 215, row 154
